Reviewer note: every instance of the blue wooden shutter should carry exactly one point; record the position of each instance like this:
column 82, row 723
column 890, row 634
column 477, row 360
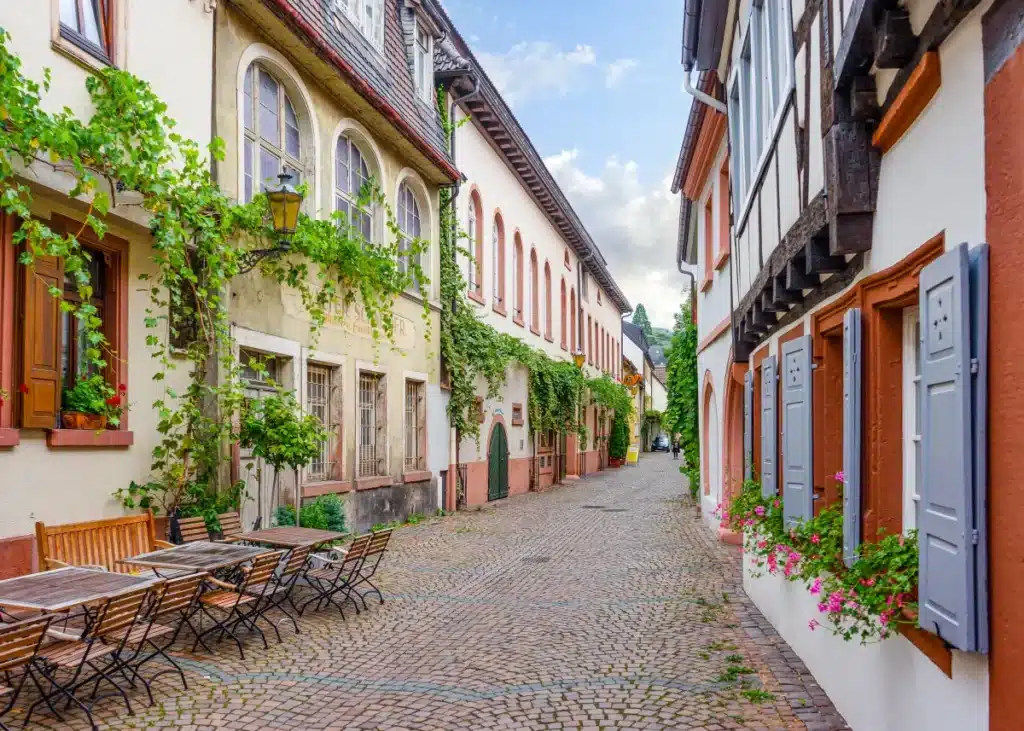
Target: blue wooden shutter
column 978, row 262
column 947, row 591
column 797, row 485
column 748, row 425
column 769, row 480
column 851, row 433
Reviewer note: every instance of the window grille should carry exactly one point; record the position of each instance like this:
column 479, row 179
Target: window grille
column 369, row 456
column 414, row 457
column 319, row 403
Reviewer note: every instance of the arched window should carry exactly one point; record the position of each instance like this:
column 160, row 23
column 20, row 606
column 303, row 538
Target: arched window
column 547, row 301
column 566, row 261
column 272, row 143
column 351, row 181
column 590, row 341
column 572, row 320
column 476, row 231
column 517, row 272
column 563, row 329
column 534, row 293
column 498, row 261
column 410, row 228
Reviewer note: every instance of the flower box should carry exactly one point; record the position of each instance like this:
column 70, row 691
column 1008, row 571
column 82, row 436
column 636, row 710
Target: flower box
column 80, row 420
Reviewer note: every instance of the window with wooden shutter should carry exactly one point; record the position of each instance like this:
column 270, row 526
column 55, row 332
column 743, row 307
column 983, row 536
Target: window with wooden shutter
column 797, row 432
column 769, row 484
column 951, row 528
column 41, row 344
column 852, row 415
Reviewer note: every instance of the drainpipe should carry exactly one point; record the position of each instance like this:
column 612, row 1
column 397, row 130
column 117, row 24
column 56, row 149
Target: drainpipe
column 693, row 290
column 699, row 95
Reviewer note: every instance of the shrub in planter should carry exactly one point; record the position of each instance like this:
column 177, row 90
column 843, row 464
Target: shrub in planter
column 618, row 445
column 92, row 404
column 324, row 513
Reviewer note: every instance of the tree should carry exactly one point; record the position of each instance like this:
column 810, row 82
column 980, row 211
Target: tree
column 681, row 416
column 641, row 320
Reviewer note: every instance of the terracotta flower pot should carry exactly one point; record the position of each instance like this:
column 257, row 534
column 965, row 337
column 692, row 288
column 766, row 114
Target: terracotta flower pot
column 78, row 420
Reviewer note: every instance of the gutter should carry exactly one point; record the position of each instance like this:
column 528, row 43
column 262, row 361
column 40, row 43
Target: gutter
column 364, row 89
column 699, row 95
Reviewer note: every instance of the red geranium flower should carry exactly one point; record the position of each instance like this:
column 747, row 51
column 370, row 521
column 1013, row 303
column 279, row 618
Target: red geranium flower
column 23, row 388
column 122, row 388
column 114, row 401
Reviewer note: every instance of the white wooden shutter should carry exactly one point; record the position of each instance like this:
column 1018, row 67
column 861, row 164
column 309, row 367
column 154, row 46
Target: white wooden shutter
column 852, row 415
column 797, row 437
column 769, row 476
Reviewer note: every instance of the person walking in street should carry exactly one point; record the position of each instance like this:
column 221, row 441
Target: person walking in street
column 675, row 448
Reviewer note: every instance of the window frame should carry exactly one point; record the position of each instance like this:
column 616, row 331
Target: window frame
column 106, row 20
column 475, row 224
column 518, row 304
column 352, row 197
column 533, row 296
column 406, row 236
column 423, row 66
column 251, row 167
column 911, row 416
column 331, row 420
column 753, row 137
column 498, row 263
column 419, row 426
column 353, row 11
column 380, row 422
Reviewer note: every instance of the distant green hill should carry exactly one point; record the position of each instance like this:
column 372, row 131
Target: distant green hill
column 660, row 336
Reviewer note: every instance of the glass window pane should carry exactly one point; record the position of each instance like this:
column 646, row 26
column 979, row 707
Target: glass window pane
column 291, row 130
column 270, row 167
column 90, row 23
column 360, row 173
column 247, row 195
column 366, row 226
column 341, row 166
column 340, row 204
column 69, row 13
column 295, row 173
column 247, row 115
column 269, row 120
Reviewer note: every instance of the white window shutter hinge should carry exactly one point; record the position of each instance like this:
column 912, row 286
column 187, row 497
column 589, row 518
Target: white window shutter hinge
column 974, row 536
column 974, row 366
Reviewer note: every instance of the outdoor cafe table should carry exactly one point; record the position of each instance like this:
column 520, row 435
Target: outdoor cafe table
column 198, row 556
column 65, row 588
column 289, row 536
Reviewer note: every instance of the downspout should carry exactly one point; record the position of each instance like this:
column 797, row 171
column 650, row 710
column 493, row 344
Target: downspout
column 699, row 95
column 691, row 28
column 580, row 460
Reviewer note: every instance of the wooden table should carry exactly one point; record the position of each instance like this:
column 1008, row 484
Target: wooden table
column 65, row 588
column 198, row 556
column 286, row 536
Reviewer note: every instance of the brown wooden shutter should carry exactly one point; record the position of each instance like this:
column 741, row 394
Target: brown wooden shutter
column 41, row 366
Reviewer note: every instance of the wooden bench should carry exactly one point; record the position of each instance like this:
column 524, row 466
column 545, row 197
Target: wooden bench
column 100, row 543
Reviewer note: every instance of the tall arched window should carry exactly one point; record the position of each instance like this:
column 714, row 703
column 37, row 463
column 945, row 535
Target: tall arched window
column 517, row 273
column 410, row 228
column 563, row 328
column 476, row 230
column 498, row 262
column 272, row 143
column 590, row 341
column 534, row 297
column 547, row 301
column 351, row 181
column 572, row 319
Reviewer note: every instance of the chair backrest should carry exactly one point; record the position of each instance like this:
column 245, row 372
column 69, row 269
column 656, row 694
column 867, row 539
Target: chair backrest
column 97, row 542
column 378, row 542
column 193, row 529
column 296, row 560
column 262, row 568
column 230, row 524
column 20, row 641
column 179, row 594
column 120, row 612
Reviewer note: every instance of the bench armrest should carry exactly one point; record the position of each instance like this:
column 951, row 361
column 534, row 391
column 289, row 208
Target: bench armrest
column 52, row 563
column 162, row 544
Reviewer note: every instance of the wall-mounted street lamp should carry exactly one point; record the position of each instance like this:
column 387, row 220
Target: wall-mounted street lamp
column 285, row 203
column 578, row 357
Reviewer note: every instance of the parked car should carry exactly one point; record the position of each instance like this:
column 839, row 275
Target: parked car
column 661, row 444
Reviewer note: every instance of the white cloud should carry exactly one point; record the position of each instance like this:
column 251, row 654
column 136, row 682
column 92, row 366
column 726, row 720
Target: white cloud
column 634, row 226
column 535, row 68
column 616, row 71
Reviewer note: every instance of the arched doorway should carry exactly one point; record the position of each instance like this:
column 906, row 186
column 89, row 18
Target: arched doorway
column 497, row 464
column 711, row 462
column 732, row 454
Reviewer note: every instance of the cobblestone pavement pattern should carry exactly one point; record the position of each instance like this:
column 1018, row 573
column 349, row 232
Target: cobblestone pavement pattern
column 602, row 603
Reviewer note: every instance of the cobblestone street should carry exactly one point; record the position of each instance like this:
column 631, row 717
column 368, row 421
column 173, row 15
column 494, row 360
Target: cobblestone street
column 599, row 604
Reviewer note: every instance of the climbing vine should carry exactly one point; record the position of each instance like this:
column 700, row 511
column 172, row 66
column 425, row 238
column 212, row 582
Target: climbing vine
column 681, row 415
column 127, row 154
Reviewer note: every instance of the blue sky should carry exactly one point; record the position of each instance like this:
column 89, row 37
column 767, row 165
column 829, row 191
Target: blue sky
column 597, row 86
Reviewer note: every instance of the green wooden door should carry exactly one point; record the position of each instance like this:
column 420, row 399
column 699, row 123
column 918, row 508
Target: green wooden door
column 497, row 464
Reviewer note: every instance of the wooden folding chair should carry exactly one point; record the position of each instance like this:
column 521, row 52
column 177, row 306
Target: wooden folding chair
column 230, row 526
column 335, row 575
column 191, row 530
column 93, row 657
column 368, row 569
column 169, row 614
column 235, row 603
column 282, row 584
column 19, row 645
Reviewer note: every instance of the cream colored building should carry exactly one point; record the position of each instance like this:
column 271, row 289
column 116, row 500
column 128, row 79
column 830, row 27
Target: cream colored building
column 47, row 473
column 337, row 98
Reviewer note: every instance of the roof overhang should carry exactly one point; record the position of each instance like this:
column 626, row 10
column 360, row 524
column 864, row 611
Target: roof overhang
column 703, row 33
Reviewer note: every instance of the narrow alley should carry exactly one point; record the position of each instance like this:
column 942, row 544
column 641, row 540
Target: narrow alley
column 599, row 604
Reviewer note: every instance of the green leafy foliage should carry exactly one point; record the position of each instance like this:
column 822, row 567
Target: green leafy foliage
column 200, row 238
column 276, row 430
column 618, row 445
column 641, row 320
column 92, row 395
column 681, row 416
column 324, row 513
column 865, row 601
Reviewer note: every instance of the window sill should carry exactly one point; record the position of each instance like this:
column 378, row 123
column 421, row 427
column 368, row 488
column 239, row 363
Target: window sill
column 517, row 422
column 9, row 438
column 518, row 320
column 565, row 347
column 81, row 53
column 550, row 338
column 535, row 330
column 705, row 284
column 478, row 298
column 932, row 647
column 721, row 259
column 500, row 309
column 370, row 483
column 85, row 438
column 416, row 476
column 328, row 487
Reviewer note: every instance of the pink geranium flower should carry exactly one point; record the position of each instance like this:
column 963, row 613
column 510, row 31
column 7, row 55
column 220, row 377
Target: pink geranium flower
column 816, row 586
column 815, row 539
column 759, row 510
column 813, row 624
column 840, row 476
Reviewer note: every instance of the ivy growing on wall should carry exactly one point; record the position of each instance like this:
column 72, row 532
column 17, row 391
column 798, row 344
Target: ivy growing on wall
column 681, row 373
column 199, row 240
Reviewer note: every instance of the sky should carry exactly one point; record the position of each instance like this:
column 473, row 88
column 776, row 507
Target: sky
column 597, row 85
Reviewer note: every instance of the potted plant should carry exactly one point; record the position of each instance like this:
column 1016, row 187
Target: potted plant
column 618, row 445
column 92, row 404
